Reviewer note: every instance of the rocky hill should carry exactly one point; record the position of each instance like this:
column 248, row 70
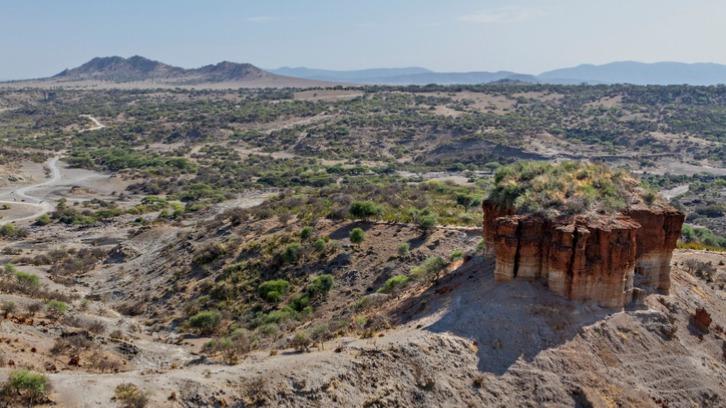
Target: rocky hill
column 591, row 233
column 119, row 69
column 140, row 72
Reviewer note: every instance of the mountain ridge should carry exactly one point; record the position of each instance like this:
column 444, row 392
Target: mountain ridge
column 632, row 72
column 138, row 71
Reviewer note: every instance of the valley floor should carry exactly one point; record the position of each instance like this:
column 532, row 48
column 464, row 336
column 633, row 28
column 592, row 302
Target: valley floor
column 465, row 341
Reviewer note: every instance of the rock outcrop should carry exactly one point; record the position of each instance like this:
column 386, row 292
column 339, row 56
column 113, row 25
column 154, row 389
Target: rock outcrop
column 604, row 259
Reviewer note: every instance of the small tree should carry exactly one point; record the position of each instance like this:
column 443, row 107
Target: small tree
column 306, row 233
column 320, row 286
column 27, row 281
column 427, row 222
column 130, row 396
column 205, row 322
column 394, row 283
column 320, row 245
column 430, row 269
column 300, row 342
column 56, row 309
column 357, row 235
column 10, row 269
column 8, row 308
column 26, row 387
column 43, row 220
column 291, row 253
column 363, row 210
column 456, row 255
column 273, row 290
column 403, row 249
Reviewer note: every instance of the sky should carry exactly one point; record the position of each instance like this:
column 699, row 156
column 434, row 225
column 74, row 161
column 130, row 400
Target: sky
column 42, row 37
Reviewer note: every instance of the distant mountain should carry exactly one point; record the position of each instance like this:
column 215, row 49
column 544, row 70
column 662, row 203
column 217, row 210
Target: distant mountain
column 638, row 73
column 661, row 73
column 352, row 76
column 403, row 76
column 140, row 72
column 119, row 69
column 451, row 78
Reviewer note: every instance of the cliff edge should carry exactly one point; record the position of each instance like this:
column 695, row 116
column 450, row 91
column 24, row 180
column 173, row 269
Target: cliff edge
column 611, row 246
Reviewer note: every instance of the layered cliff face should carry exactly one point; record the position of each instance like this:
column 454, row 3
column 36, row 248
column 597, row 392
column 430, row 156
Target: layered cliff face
column 657, row 237
column 602, row 259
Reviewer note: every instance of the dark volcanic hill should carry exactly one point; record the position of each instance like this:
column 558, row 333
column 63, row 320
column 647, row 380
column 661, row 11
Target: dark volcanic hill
column 138, row 71
column 119, row 69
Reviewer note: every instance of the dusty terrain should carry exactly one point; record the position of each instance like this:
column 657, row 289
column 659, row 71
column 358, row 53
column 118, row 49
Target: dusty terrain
column 464, row 341
column 163, row 205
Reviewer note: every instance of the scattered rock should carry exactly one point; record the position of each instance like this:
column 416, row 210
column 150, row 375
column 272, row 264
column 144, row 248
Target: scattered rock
column 701, row 319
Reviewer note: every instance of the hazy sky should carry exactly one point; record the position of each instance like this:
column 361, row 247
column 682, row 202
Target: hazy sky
column 41, row 37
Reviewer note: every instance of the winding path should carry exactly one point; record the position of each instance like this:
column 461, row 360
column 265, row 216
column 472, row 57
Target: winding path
column 96, row 123
column 21, row 196
column 674, row 192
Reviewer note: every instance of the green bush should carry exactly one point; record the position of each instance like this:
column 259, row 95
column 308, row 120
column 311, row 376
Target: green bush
column 300, row 342
column 427, row 222
column 565, row 188
column 306, row 233
column 429, row 269
column 300, row 301
column 468, row 200
column 26, row 387
column 456, row 255
column 205, row 322
column 10, row 231
column 393, row 283
column 404, row 249
column 320, row 245
column 279, row 316
column 703, row 236
column 364, row 209
column 27, row 280
column 43, row 220
column 357, row 235
column 320, row 285
column 10, row 269
column 130, row 396
column 291, row 253
column 56, row 308
column 268, row 329
column 273, row 290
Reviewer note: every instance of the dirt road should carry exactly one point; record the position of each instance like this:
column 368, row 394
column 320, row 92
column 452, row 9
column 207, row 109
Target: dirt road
column 96, row 123
column 22, row 197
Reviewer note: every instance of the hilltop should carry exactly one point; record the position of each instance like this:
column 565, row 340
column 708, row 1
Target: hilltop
column 141, row 72
column 566, row 188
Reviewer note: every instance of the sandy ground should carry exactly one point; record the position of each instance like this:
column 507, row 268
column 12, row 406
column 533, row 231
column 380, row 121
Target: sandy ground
column 674, row 192
column 29, row 201
column 680, row 168
column 327, row 95
column 521, row 344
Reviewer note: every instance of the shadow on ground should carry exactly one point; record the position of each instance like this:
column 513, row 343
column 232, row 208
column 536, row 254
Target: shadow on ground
column 508, row 321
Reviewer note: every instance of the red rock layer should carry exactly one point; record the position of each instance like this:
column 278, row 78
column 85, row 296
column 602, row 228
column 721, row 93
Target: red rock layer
column 657, row 239
column 582, row 258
